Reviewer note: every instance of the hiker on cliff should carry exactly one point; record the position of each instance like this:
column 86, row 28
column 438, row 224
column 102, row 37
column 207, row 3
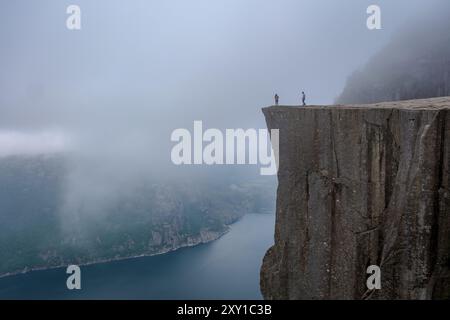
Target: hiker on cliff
column 276, row 99
column 303, row 98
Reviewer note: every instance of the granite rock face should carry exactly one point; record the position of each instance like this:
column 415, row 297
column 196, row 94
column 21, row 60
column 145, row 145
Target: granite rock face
column 361, row 185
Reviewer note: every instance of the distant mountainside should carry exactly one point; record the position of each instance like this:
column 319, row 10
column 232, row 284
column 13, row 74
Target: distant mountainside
column 152, row 218
column 415, row 65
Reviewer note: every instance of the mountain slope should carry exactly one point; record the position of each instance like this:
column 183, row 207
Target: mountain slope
column 415, row 65
column 36, row 230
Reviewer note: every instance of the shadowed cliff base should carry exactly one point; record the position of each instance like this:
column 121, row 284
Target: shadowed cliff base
column 361, row 185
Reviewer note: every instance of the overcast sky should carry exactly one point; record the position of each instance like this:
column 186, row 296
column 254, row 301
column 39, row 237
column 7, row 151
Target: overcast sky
column 113, row 92
column 139, row 69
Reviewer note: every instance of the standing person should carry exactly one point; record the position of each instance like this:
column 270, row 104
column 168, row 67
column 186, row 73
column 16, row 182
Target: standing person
column 304, row 98
column 277, row 98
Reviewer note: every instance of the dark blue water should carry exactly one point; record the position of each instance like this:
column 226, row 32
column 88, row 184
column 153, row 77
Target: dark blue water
column 224, row 269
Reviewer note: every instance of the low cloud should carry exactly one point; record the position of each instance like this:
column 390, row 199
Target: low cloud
column 20, row 143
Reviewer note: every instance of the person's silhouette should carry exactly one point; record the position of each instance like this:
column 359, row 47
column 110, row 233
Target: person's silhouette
column 277, row 98
column 304, row 98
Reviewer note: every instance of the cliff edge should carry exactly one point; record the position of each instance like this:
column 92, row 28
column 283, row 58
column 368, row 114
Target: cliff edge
column 361, row 185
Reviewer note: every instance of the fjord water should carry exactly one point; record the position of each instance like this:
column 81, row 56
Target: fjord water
column 227, row 268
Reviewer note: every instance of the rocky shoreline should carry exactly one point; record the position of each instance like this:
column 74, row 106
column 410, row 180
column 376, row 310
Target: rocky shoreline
column 204, row 237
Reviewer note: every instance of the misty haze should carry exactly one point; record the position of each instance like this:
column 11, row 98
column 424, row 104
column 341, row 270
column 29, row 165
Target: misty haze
column 86, row 119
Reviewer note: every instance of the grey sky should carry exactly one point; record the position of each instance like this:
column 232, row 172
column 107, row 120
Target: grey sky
column 140, row 69
column 170, row 62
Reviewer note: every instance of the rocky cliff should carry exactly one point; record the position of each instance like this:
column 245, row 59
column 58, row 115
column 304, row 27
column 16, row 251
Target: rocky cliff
column 361, row 185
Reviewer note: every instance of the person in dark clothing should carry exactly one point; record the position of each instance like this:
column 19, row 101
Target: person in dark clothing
column 303, row 98
column 277, row 98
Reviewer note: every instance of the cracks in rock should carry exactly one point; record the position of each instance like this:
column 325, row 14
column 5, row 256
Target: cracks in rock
column 333, row 144
column 372, row 123
column 436, row 266
column 403, row 183
column 391, row 160
column 367, row 231
column 333, row 212
column 307, row 235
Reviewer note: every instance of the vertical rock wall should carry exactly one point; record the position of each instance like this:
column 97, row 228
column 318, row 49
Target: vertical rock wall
column 359, row 186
